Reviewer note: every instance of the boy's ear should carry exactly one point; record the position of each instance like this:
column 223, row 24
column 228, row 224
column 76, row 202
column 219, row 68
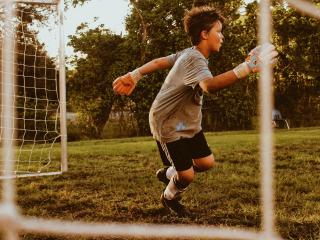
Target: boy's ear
column 204, row 34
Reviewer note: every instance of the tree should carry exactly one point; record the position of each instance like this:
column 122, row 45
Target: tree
column 297, row 89
column 97, row 63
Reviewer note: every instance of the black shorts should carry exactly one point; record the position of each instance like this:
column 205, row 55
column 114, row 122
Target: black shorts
column 180, row 153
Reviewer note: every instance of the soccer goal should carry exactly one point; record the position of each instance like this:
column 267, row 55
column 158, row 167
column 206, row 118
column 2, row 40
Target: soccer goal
column 12, row 223
column 37, row 87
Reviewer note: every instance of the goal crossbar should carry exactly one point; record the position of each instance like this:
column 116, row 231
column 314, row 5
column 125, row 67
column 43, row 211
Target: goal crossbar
column 49, row 2
column 67, row 228
column 30, row 175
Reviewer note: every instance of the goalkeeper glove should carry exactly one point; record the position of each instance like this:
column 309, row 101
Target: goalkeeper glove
column 252, row 63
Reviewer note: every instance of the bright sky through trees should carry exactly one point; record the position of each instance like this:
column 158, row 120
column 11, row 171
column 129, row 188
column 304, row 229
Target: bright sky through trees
column 111, row 13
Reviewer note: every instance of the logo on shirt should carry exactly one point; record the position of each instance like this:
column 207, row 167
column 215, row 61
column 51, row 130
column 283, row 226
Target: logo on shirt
column 180, row 126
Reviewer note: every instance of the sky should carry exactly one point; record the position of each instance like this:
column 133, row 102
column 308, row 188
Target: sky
column 111, row 13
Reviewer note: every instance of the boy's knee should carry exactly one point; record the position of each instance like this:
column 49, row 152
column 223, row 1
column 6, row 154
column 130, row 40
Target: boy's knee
column 211, row 162
column 185, row 177
column 204, row 164
column 208, row 165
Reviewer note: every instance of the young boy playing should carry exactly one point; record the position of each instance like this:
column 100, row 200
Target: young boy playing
column 175, row 115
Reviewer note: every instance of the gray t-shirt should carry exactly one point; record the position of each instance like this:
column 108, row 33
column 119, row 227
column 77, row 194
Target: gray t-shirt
column 176, row 111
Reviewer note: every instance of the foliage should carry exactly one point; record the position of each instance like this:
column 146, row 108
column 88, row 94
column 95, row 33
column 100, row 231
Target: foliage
column 75, row 3
column 98, row 63
column 297, row 88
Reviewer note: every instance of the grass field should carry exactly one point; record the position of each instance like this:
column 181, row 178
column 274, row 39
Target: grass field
column 114, row 180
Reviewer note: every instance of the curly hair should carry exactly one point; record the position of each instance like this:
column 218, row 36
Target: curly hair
column 199, row 19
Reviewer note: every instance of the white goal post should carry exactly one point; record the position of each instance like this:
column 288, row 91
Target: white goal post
column 38, row 90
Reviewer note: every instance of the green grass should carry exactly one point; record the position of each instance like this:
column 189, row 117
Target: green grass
column 114, row 180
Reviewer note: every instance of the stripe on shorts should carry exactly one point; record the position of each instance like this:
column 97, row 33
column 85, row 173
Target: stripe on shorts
column 166, row 151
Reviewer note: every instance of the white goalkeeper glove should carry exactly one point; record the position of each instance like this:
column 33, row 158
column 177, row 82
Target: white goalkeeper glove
column 252, row 63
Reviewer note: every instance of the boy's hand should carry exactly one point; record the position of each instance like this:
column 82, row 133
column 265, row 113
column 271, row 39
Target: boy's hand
column 252, row 63
column 252, row 59
column 124, row 85
column 266, row 53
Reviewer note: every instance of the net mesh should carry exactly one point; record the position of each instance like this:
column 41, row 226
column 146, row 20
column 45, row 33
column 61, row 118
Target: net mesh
column 36, row 94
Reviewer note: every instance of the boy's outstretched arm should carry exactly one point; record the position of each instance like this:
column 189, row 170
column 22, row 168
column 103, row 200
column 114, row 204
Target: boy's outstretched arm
column 252, row 64
column 124, row 85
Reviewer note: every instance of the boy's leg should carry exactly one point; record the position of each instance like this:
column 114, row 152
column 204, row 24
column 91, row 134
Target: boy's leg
column 171, row 195
column 188, row 156
column 203, row 164
column 177, row 152
column 168, row 171
column 163, row 156
column 178, row 183
column 202, row 156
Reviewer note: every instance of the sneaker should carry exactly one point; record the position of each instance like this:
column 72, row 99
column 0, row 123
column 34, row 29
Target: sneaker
column 174, row 206
column 161, row 175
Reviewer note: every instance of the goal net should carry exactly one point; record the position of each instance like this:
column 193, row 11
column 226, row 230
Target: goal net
column 37, row 118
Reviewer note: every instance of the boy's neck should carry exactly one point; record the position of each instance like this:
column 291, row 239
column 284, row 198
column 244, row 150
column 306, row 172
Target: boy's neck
column 204, row 51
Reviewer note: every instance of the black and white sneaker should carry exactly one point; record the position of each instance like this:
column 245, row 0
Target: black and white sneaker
column 174, row 206
column 162, row 176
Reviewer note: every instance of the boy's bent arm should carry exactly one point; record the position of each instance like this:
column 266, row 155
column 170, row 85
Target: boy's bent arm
column 218, row 82
column 154, row 65
column 124, row 85
column 265, row 53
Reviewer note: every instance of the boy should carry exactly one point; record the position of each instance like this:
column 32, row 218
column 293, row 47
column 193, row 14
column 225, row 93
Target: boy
column 175, row 115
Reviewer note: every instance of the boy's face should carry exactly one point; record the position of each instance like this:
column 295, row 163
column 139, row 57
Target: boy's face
column 215, row 37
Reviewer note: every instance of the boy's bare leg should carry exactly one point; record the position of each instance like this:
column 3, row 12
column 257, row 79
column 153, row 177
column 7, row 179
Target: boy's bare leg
column 178, row 184
column 180, row 181
column 203, row 164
